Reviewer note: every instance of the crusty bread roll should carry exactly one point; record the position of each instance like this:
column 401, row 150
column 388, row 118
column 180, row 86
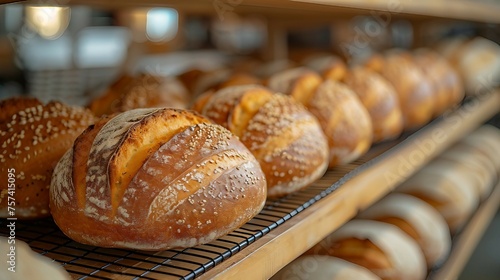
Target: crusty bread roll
column 318, row 267
column 284, row 137
column 300, row 83
column 239, row 79
column 154, row 179
column 380, row 99
column 417, row 219
column 330, row 66
column 34, row 137
column 477, row 60
column 413, row 88
column 451, row 193
column 345, row 121
column 448, row 88
column 382, row 248
column 486, row 139
column 27, row 263
column 343, row 118
column 143, row 91
column 476, row 165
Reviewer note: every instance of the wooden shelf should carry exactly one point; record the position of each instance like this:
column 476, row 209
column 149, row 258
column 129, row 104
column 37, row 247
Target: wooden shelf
column 465, row 243
column 267, row 255
column 479, row 11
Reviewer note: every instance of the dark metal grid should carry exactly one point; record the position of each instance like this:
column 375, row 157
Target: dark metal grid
column 88, row 262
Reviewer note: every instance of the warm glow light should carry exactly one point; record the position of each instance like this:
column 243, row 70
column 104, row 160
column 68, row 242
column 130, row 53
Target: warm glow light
column 161, row 24
column 48, row 22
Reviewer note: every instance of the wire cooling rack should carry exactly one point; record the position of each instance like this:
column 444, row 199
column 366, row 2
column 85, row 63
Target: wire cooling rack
column 89, row 262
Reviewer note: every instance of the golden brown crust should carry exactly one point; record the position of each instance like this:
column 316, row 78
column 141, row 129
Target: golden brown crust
column 331, row 67
column 300, row 83
column 33, row 138
column 286, row 139
column 143, row 91
column 344, row 120
column 239, row 79
column 155, row 179
column 413, row 88
column 380, row 99
column 447, row 85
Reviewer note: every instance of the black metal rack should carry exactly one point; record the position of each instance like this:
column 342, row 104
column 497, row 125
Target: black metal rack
column 89, row 262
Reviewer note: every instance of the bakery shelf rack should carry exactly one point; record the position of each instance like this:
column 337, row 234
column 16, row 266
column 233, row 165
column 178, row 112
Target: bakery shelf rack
column 289, row 226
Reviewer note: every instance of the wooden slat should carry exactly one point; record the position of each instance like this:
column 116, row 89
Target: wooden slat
column 465, row 243
column 266, row 256
column 480, row 11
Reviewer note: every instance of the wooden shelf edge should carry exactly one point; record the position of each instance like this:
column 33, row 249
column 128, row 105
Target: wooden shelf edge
column 458, row 9
column 465, row 243
column 266, row 256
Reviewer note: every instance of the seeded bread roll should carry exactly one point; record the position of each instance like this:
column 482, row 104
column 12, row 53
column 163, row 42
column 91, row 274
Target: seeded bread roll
column 284, row 137
column 382, row 248
column 417, row 219
column 33, row 138
column 319, row 267
column 414, row 90
column 144, row 91
column 451, row 193
column 380, row 99
column 28, row 264
column 154, row 179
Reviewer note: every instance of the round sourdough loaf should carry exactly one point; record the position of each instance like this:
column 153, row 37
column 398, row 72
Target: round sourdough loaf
column 380, row 99
column 154, row 179
column 417, row 219
column 142, row 91
column 33, row 137
column 344, row 120
column 318, row 267
column 382, row 248
column 284, row 137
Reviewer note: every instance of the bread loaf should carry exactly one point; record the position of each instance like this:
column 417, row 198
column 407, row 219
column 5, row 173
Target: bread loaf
column 345, row 121
column 486, row 140
column 343, row 118
column 28, row 264
column 284, row 137
column 144, row 91
column 329, row 66
column 448, row 89
column 477, row 60
column 417, row 219
column 319, row 267
column 153, row 179
column 33, row 137
column 382, row 248
column 451, row 193
column 300, row 83
column 414, row 91
column 472, row 163
column 380, row 99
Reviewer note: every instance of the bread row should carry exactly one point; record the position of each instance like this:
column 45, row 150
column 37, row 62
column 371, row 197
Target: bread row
column 120, row 170
column 409, row 231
